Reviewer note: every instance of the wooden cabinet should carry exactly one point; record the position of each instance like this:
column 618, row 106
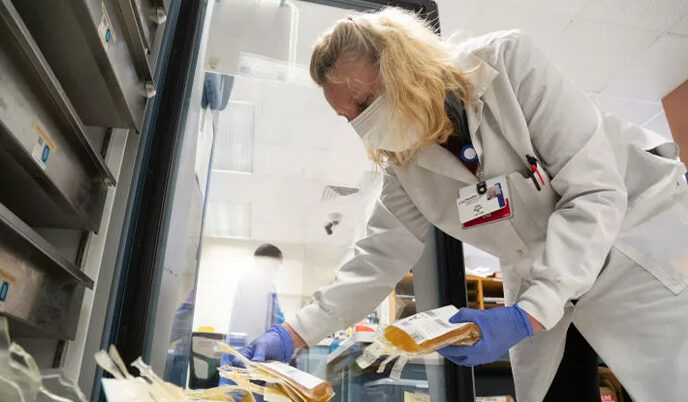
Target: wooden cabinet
column 484, row 293
column 402, row 300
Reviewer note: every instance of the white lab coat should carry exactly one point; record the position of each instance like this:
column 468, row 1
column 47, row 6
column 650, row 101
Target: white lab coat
column 609, row 229
column 255, row 306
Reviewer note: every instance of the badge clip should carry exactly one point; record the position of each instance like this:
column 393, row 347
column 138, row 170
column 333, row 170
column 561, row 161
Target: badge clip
column 481, row 187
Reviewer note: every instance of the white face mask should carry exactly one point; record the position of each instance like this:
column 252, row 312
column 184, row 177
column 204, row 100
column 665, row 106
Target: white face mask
column 370, row 125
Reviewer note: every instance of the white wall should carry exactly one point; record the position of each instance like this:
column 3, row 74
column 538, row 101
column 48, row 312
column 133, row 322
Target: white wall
column 320, row 263
column 223, row 262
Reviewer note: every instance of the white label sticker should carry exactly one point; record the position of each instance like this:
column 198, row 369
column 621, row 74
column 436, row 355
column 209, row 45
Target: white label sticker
column 429, row 324
column 370, row 354
column 105, row 31
column 43, row 146
column 307, row 380
column 398, row 367
column 416, row 397
column 6, row 279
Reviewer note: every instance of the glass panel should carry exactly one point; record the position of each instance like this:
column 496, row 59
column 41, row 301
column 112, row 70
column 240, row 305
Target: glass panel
column 285, row 176
column 483, row 278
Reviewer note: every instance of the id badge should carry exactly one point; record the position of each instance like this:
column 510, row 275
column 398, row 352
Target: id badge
column 484, row 202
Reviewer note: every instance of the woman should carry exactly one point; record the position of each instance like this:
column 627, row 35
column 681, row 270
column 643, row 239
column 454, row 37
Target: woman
column 590, row 222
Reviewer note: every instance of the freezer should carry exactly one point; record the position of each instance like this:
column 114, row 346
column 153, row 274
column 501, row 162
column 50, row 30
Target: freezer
column 51, row 174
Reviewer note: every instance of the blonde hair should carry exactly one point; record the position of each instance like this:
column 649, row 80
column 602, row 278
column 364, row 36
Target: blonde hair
column 414, row 66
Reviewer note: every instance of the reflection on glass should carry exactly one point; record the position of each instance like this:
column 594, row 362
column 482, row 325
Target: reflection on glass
column 180, row 341
column 255, row 307
column 290, row 189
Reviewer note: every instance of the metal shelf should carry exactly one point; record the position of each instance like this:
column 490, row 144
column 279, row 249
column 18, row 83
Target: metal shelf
column 45, row 289
column 97, row 54
column 52, row 176
column 143, row 24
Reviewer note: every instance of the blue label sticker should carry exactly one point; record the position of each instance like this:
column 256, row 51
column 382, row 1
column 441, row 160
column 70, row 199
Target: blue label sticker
column 45, row 153
column 4, row 288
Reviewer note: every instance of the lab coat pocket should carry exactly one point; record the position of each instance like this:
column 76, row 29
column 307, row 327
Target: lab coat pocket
column 532, row 207
column 658, row 239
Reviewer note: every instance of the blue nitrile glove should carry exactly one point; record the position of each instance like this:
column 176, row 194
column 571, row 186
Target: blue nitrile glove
column 274, row 344
column 500, row 329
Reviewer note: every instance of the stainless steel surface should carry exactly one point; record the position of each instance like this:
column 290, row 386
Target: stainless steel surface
column 65, row 185
column 45, row 289
column 143, row 23
column 99, row 76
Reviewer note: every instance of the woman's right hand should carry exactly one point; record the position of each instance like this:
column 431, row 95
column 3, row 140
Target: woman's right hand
column 275, row 344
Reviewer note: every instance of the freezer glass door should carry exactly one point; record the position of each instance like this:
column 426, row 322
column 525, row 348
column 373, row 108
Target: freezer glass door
column 278, row 188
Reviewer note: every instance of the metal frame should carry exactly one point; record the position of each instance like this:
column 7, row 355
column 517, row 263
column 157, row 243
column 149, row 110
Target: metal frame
column 460, row 380
column 139, row 260
column 425, row 7
column 143, row 40
column 154, row 188
column 125, row 145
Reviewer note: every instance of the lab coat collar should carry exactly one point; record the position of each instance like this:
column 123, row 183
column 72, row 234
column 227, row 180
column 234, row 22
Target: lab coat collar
column 477, row 72
column 479, row 75
column 440, row 160
column 436, row 158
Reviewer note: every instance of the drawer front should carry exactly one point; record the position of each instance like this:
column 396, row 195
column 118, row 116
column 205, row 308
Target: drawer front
column 51, row 176
column 91, row 57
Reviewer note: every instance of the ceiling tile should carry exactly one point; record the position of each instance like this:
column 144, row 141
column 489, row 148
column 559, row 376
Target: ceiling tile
column 656, row 72
column 268, row 211
column 660, row 125
column 334, row 167
column 635, row 111
column 234, row 142
column 295, row 115
column 249, row 188
column 654, row 15
column 477, row 17
column 228, row 219
column 592, row 53
column 277, row 232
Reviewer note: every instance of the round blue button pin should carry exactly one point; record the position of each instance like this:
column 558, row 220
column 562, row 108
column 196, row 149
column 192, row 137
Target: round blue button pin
column 468, row 153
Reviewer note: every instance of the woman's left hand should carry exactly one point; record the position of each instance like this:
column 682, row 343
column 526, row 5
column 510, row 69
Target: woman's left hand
column 500, row 329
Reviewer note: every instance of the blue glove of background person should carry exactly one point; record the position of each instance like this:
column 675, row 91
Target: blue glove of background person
column 500, row 329
column 274, row 344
